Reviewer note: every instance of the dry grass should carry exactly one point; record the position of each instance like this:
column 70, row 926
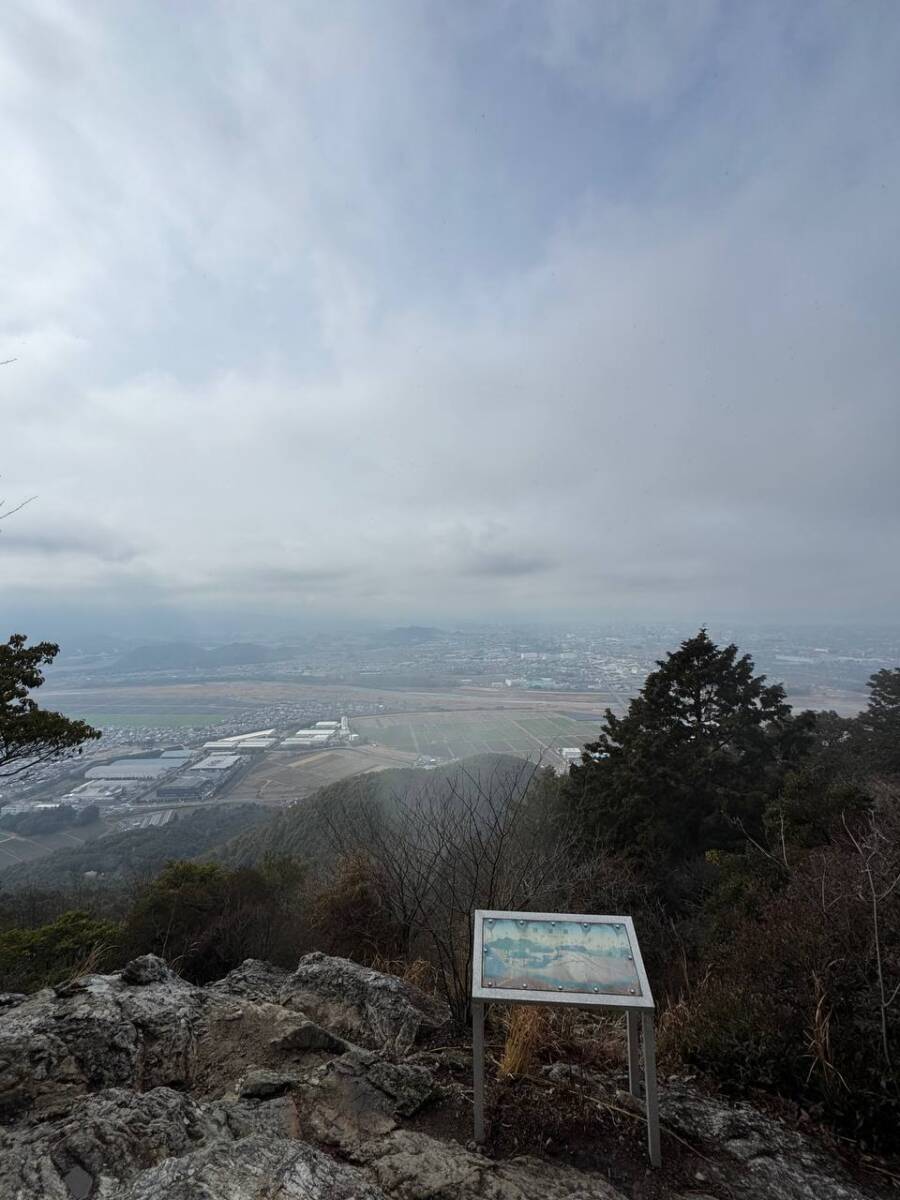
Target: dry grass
column 528, row 1038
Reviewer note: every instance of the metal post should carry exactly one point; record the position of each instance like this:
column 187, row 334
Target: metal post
column 478, row 1068
column 634, row 1062
column 651, row 1102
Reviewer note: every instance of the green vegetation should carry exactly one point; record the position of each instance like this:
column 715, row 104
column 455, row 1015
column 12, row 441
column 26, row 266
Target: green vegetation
column 135, row 854
column 35, row 958
column 758, row 852
column 30, row 734
column 695, row 760
column 48, row 820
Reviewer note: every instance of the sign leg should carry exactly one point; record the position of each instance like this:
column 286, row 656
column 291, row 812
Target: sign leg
column 478, row 1068
column 634, row 1062
column 651, row 1098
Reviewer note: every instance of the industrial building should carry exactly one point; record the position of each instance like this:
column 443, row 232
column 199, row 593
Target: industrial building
column 217, row 762
column 262, row 739
column 132, row 768
column 185, row 789
column 310, row 739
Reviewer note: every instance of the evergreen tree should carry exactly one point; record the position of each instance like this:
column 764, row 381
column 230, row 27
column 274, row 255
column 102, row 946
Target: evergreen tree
column 880, row 722
column 30, row 734
column 699, row 752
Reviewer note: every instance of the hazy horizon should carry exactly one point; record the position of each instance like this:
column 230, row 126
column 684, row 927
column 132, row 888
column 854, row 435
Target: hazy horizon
column 422, row 314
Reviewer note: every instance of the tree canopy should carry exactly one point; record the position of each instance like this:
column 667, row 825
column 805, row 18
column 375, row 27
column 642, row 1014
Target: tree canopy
column 880, row 722
column 697, row 755
column 30, row 734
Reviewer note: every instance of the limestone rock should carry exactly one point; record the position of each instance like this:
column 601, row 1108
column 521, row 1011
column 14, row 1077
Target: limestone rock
column 263, row 1085
column 104, row 1034
column 253, row 980
column 306, row 1035
column 359, row 1096
column 375, row 1010
column 754, row 1154
column 250, row 1169
column 147, row 969
column 413, row 1166
column 106, row 1139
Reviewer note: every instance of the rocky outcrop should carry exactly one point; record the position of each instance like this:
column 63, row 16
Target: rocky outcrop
column 375, row 1010
column 751, row 1153
column 104, row 1139
column 101, row 1032
column 413, row 1166
column 138, row 1086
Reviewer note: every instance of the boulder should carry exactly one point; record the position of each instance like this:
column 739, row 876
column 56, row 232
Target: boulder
column 751, row 1153
column 106, row 1139
column 374, row 1010
column 263, row 1085
column 104, row 1033
column 147, row 969
column 252, row 980
column 250, row 1169
column 360, row 1096
column 414, row 1166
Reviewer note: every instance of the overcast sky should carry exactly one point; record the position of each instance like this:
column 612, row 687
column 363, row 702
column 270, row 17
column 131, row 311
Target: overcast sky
column 445, row 310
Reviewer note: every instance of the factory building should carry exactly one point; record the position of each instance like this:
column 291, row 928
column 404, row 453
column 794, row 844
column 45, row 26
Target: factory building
column 260, row 739
column 185, row 789
column 310, row 739
column 217, row 762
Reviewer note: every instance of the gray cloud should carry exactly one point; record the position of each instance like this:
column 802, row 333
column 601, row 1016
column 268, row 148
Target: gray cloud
column 393, row 313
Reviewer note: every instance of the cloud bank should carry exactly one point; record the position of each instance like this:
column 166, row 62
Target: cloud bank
column 418, row 311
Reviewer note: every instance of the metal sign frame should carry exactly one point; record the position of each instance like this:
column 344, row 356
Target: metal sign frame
column 639, row 1011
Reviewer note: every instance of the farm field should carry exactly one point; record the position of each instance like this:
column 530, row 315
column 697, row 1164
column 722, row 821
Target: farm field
column 446, row 735
column 281, row 778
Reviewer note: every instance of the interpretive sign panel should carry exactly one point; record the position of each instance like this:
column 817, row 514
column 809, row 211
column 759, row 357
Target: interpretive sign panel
column 583, row 960
column 566, row 958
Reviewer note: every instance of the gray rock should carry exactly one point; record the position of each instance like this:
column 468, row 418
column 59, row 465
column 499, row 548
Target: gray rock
column 306, row 1035
column 413, row 1166
column 263, row 1085
column 106, row 1034
column 250, row 1169
column 105, row 1140
column 408, row 1086
column 753, row 1154
column 253, row 980
column 239, row 1118
column 147, row 969
column 359, row 1096
column 11, row 999
column 378, row 1011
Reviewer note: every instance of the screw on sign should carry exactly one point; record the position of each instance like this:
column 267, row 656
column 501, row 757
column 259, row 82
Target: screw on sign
column 572, row 959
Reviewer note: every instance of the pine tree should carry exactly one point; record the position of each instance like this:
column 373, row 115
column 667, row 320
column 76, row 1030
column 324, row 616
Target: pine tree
column 699, row 752
column 30, row 734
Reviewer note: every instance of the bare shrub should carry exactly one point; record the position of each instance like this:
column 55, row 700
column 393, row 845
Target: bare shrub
column 442, row 848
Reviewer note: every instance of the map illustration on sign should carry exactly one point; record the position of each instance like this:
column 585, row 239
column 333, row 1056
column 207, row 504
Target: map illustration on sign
column 558, row 956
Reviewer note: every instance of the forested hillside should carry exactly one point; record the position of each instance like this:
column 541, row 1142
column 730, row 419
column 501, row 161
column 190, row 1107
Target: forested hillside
column 137, row 853
column 757, row 849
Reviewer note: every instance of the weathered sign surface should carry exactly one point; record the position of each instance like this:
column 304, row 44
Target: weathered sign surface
column 566, row 958
column 580, row 959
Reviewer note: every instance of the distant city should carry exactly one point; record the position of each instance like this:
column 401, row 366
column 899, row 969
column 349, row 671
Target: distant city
column 188, row 724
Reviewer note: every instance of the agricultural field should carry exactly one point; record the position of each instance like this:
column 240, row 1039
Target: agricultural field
column 281, row 778
column 447, row 735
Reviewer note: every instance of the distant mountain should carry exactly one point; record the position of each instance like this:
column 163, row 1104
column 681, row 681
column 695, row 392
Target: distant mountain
column 184, row 656
column 137, row 852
